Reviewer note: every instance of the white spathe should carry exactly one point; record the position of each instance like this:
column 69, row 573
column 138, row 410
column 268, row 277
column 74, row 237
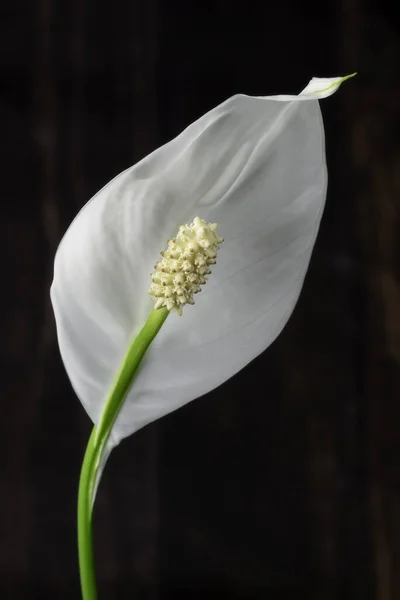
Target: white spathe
column 254, row 165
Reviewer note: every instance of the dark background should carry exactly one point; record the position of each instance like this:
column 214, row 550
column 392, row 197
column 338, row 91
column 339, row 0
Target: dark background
column 284, row 482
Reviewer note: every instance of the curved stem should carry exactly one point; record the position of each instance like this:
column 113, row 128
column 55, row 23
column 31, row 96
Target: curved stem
column 98, row 439
column 85, row 545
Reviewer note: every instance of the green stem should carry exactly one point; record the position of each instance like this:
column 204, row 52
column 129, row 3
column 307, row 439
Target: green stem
column 97, row 442
column 85, row 549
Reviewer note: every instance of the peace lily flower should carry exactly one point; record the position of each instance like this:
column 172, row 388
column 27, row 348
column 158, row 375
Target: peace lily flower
column 253, row 165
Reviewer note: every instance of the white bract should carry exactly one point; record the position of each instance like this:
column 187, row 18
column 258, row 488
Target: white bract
column 254, row 165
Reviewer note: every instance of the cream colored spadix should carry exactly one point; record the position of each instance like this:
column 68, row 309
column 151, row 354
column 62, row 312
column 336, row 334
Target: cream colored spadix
column 254, row 165
column 185, row 265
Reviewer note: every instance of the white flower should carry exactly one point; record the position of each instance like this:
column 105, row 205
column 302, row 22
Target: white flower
column 254, row 165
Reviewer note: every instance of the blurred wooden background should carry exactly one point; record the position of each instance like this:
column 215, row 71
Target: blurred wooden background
column 286, row 480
